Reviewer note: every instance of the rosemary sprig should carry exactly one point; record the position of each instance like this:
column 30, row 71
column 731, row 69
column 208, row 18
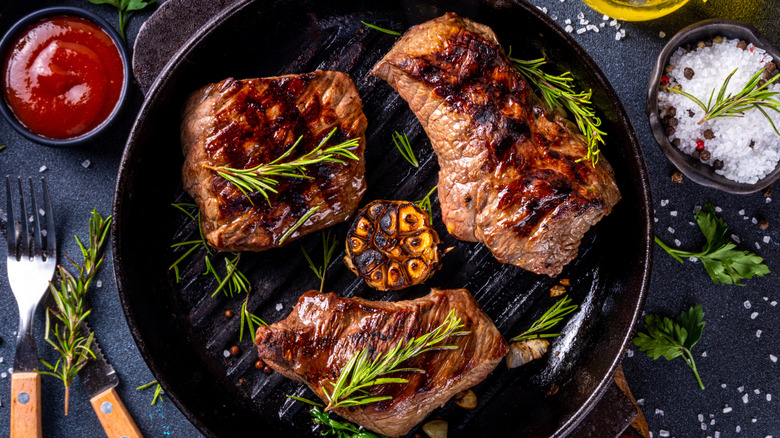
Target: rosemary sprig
column 339, row 429
column 425, row 203
column 557, row 91
column 191, row 245
column 328, row 247
column 362, row 372
column 401, row 142
column 547, row 321
column 382, row 29
column 158, row 392
column 298, row 224
column 752, row 95
column 65, row 333
column 234, row 279
column 250, row 319
column 264, row 177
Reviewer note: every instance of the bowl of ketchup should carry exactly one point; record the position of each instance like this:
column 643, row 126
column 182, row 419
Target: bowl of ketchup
column 65, row 76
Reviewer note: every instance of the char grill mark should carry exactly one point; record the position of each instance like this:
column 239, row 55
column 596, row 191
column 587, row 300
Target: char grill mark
column 324, row 331
column 245, row 123
column 511, row 175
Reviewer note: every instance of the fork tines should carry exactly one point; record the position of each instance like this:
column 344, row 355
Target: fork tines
column 21, row 241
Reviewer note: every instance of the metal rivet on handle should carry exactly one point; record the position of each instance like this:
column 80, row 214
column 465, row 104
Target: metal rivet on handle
column 23, row 398
column 106, row 407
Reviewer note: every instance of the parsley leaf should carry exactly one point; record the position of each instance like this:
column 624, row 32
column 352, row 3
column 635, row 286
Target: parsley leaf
column 671, row 339
column 126, row 7
column 725, row 264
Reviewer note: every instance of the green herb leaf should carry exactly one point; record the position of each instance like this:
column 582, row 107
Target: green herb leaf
column 547, row 321
column 557, row 91
column 723, row 263
column 362, row 372
column 403, row 145
column 382, row 29
column 425, row 203
column 328, row 247
column 672, row 339
column 125, row 8
column 158, row 392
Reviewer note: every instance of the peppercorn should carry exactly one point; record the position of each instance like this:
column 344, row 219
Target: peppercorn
column 677, row 87
column 769, row 67
column 669, row 68
column 259, row 364
column 267, row 370
column 670, row 131
column 709, row 135
column 752, row 143
column 672, row 111
column 676, row 142
column 700, row 44
column 699, row 144
column 673, row 122
column 768, row 192
column 705, row 155
column 717, row 164
column 228, row 313
column 688, row 73
column 677, row 177
column 763, row 224
column 691, row 113
column 708, row 42
column 234, row 350
column 718, row 39
column 761, row 82
column 695, row 154
column 663, row 113
column 742, row 44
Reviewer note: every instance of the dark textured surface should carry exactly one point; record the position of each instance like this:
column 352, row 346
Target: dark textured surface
column 735, row 356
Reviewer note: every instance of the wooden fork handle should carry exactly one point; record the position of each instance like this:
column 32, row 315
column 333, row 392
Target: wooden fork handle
column 116, row 420
column 26, row 405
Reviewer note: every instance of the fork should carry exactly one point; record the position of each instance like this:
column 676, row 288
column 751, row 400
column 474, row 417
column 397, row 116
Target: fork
column 30, row 268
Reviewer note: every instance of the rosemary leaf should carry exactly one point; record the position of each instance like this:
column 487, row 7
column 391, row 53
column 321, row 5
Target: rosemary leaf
column 425, row 203
column 65, row 321
column 298, row 224
column 249, row 319
column 557, row 91
column 401, row 142
column 382, row 29
column 547, row 321
column 362, row 372
column 328, row 247
column 158, row 392
column 264, row 177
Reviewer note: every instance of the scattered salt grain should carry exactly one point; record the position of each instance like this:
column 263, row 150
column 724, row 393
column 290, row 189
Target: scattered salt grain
column 671, row 230
column 584, row 22
column 773, row 303
column 279, row 307
column 704, row 426
column 754, row 220
column 753, row 420
column 756, row 391
column 605, row 17
column 741, row 389
column 568, row 28
column 226, row 353
column 662, row 34
column 718, row 210
column 99, row 283
column 85, row 164
column 758, row 333
column 659, row 412
column 717, row 434
column 712, row 423
column 677, row 242
column 713, row 415
column 745, row 398
column 580, row 15
column 739, row 429
column 693, row 259
column 655, row 219
column 593, row 28
column 773, row 358
column 741, row 212
column 691, row 223
column 3, row 375
column 766, row 298
column 704, row 354
column 43, row 233
column 745, row 218
column 769, row 397
column 768, row 200
column 42, row 169
column 766, row 239
column 727, row 409
column 629, row 353
column 735, row 238
column 602, row 24
column 42, row 212
column 722, row 385
column 673, row 213
column 663, row 433
column 1, row 360
column 640, row 402
column 747, row 304
column 618, row 36
column 758, row 246
column 701, row 417
column 754, row 315
column 567, row 21
column 664, row 202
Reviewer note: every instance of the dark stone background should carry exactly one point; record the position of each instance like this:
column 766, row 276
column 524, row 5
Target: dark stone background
column 735, row 357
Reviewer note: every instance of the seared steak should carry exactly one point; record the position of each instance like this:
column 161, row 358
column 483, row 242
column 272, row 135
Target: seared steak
column 244, row 123
column 509, row 172
column 324, row 331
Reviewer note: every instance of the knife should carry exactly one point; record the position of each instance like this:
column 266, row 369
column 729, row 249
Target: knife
column 100, row 380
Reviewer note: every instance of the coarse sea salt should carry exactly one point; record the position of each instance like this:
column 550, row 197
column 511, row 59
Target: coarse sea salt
column 747, row 146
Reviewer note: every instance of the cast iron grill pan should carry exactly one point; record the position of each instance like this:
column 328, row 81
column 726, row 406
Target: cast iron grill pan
column 182, row 331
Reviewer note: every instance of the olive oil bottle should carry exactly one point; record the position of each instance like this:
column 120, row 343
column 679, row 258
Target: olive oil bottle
column 635, row 10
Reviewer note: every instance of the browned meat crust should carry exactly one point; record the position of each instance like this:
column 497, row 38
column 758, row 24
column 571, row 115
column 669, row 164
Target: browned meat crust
column 509, row 173
column 243, row 123
column 324, row 331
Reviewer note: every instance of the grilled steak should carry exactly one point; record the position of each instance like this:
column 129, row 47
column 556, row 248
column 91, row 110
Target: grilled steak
column 324, row 331
column 509, row 172
column 244, row 123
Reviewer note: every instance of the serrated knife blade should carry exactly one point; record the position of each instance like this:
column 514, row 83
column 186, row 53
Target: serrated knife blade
column 100, row 380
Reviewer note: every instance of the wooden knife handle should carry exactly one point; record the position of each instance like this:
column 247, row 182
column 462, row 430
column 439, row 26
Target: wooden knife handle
column 113, row 415
column 26, row 405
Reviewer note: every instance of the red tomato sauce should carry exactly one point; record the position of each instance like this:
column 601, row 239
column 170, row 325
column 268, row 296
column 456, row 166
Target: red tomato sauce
column 63, row 77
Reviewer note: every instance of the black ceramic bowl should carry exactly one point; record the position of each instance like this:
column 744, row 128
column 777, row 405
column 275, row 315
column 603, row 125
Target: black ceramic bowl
column 10, row 37
column 695, row 169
